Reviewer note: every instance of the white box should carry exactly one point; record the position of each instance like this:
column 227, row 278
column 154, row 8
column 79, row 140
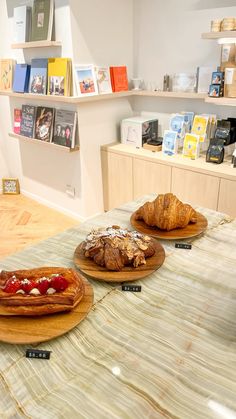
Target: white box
column 139, row 130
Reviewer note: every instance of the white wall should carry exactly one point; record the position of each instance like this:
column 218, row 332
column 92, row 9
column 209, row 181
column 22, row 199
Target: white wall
column 88, row 36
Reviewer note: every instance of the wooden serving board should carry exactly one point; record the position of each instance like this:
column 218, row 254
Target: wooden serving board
column 32, row 330
column 128, row 273
column 191, row 230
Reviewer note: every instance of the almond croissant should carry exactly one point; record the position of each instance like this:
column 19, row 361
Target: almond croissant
column 166, row 212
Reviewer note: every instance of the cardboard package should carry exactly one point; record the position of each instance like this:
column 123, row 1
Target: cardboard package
column 230, row 82
column 139, row 130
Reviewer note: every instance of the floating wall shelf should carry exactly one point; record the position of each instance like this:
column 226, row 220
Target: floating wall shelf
column 36, row 44
column 218, row 35
column 43, row 143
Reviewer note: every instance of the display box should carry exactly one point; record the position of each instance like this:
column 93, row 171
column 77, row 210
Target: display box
column 230, row 82
column 139, row 130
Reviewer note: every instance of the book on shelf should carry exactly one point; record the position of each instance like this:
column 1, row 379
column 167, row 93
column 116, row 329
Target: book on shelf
column 191, row 146
column 65, row 128
column 6, row 74
column 85, row 80
column 21, row 78
column 119, row 78
column 44, row 123
column 59, row 77
column 42, row 20
column 27, row 126
column 170, row 143
column 103, row 80
column 21, row 24
column 17, row 121
column 38, row 76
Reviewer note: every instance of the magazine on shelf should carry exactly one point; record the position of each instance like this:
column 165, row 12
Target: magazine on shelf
column 119, row 78
column 59, row 77
column 21, row 78
column 38, row 76
column 17, row 121
column 85, row 80
column 103, row 80
column 191, row 146
column 27, row 126
column 42, row 20
column 65, row 128
column 44, row 123
column 6, row 74
column 21, row 24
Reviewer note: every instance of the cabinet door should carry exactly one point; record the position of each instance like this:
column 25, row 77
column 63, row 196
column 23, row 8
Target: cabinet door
column 227, row 197
column 117, row 179
column 150, row 177
column 195, row 188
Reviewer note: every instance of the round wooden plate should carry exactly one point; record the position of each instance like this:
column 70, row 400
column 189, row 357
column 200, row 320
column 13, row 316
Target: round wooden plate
column 191, row 230
column 128, row 273
column 32, row 330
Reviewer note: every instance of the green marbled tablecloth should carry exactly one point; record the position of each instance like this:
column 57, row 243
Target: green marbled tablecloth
column 169, row 351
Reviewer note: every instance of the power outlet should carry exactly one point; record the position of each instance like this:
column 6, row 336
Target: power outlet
column 70, row 191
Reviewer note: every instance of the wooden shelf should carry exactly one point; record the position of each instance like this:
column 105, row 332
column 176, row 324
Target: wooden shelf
column 36, row 44
column 43, row 143
column 218, row 35
column 65, row 99
column 221, row 101
column 173, row 95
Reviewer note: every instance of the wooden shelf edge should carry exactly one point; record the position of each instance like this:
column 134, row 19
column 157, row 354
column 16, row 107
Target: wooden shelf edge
column 66, row 99
column 36, row 44
column 173, row 95
column 35, row 141
column 221, row 101
column 218, row 35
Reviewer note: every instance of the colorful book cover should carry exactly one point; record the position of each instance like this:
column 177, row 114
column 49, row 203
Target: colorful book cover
column 103, row 80
column 119, row 78
column 169, row 143
column 65, row 128
column 38, row 76
column 27, row 125
column 58, row 74
column 191, row 146
column 21, row 78
column 17, row 121
column 44, row 123
column 6, row 74
column 200, row 126
column 42, row 20
column 86, row 81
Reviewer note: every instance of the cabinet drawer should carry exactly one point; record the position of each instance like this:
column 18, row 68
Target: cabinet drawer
column 150, row 177
column 227, row 197
column 195, row 188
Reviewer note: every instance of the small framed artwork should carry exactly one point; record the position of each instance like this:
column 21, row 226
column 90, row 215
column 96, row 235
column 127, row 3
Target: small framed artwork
column 217, row 77
column 85, row 79
column 10, row 186
column 103, row 80
column 214, row 90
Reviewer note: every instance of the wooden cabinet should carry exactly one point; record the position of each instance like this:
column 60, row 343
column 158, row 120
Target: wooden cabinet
column 150, row 177
column 227, row 197
column 129, row 173
column 117, row 175
column 195, row 188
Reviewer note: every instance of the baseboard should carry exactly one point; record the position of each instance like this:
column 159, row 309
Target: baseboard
column 53, row 206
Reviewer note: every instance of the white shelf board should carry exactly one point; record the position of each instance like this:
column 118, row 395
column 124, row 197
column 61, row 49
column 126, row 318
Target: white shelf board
column 36, row 44
column 43, row 143
column 218, row 35
column 221, row 101
column 171, row 95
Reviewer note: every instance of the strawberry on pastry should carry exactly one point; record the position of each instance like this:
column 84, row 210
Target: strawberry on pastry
column 27, row 285
column 12, row 285
column 58, row 282
column 43, row 284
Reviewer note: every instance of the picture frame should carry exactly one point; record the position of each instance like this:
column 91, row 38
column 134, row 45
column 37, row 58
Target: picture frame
column 103, row 80
column 217, row 77
column 10, row 186
column 85, row 80
column 214, row 90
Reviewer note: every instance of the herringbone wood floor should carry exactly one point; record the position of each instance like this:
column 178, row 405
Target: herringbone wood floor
column 24, row 222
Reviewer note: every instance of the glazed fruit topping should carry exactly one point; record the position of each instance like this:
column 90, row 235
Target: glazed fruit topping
column 42, row 286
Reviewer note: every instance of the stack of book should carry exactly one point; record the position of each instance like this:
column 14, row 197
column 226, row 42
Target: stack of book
column 51, row 125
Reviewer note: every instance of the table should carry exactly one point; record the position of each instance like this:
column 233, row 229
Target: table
column 169, row 351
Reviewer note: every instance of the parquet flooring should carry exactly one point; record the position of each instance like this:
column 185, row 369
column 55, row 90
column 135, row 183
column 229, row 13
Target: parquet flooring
column 24, row 222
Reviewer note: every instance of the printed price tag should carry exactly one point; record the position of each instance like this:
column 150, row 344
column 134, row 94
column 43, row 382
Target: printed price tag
column 183, row 246
column 132, row 288
column 37, row 353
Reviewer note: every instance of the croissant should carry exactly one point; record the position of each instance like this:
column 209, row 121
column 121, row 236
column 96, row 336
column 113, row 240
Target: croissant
column 166, row 212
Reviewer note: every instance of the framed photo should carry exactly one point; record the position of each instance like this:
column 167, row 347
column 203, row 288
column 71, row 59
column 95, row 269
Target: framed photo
column 85, row 79
column 214, row 90
column 103, row 80
column 10, row 186
column 217, row 77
